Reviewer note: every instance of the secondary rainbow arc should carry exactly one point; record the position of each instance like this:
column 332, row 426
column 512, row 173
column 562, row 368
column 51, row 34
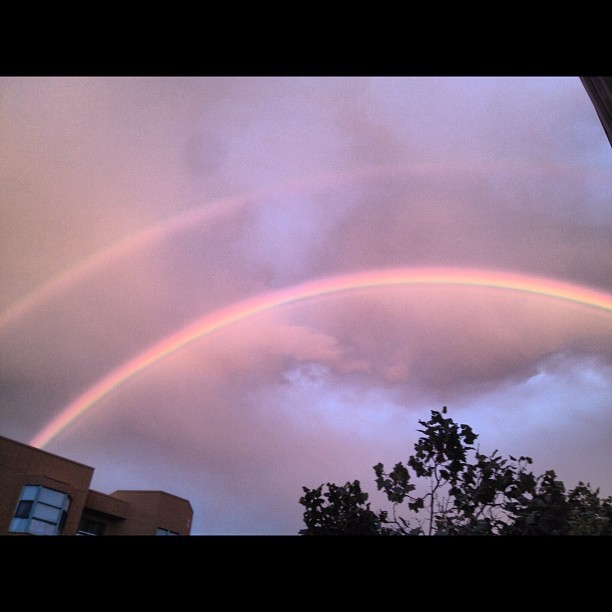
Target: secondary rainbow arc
column 233, row 313
column 218, row 208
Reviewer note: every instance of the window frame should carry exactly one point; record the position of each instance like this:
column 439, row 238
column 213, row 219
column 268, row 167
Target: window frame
column 99, row 527
column 37, row 520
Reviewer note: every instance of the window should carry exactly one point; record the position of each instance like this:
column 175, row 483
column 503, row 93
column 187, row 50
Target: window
column 24, row 509
column 165, row 532
column 89, row 527
column 41, row 511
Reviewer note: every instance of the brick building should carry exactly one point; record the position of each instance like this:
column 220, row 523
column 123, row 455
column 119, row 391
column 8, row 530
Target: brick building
column 45, row 494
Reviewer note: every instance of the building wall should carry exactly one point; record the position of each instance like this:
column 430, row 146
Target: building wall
column 150, row 510
column 104, row 510
column 107, row 504
column 21, row 464
column 123, row 512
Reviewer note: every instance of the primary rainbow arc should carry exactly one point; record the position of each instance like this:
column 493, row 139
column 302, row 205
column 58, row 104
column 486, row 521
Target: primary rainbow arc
column 233, row 313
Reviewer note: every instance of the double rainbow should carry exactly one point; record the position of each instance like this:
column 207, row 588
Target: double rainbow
column 233, row 313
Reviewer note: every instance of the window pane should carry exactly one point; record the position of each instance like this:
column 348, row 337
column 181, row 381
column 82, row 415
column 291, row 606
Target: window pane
column 29, row 492
column 23, row 509
column 47, row 513
column 90, row 527
column 19, row 524
column 41, row 528
column 51, row 497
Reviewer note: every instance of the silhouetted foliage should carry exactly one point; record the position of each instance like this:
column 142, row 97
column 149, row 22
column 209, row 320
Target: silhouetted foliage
column 467, row 493
column 340, row 511
column 552, row 511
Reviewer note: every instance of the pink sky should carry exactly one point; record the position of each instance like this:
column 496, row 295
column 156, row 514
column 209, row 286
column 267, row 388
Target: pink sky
column 131, row 207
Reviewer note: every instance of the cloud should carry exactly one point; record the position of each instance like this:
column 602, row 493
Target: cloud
column 336, row 176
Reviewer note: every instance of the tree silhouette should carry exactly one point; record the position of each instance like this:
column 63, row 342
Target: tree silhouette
column 467, row 493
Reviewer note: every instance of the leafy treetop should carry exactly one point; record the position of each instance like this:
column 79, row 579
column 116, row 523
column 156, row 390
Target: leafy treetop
column 467, row 493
